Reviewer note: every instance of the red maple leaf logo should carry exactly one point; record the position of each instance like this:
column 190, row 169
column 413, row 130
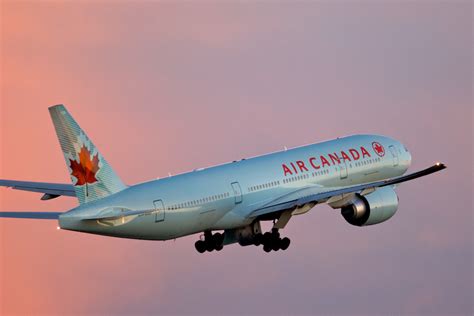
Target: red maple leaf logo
column 378, row 148
column 87, row 167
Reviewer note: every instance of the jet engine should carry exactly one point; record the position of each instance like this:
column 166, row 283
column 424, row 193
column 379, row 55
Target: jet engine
column 370, row 209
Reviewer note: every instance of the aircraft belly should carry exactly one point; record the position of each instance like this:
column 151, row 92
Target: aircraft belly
column 177, row 223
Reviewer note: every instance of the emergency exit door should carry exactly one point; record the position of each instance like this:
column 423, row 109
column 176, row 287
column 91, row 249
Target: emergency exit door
column 159, row 211
column 237, row 192
column 394, row 153
column 343, row 169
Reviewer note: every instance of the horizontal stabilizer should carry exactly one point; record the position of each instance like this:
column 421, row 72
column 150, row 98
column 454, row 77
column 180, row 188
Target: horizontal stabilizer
column 50, row 190
column 31, row 215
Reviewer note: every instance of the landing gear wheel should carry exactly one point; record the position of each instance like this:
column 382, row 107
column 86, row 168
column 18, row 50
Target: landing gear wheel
column 267, row 248
column 272, row 241
column 285, row 243
column 266, row 238
column 217, row 241
column 210, row 243
column 258, row 240
column 276, row 245
column 275, row 233
column 218, row 238
column 209, row 246
column 200, row 246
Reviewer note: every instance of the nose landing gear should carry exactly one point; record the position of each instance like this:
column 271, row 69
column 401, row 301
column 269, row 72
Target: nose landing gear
column 210, row 243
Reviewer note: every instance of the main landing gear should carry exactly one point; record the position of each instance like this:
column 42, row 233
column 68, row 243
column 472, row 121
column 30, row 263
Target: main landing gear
column 246, row 236
column 210, row 243
column 272, row 241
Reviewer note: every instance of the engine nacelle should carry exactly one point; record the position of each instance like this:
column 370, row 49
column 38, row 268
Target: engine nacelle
column 373, row 208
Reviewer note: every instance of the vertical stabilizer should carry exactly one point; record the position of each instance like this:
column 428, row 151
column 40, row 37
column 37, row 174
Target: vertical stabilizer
column 91, row 175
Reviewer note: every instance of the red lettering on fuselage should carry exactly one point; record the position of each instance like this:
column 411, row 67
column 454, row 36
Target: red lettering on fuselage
column 311, row 162
column 286, row 170
column 334, row 158
column 324, row 161
column 294, row 168
column 345, row 156
column 301, row 165
column 355, row 154
column 364, row 152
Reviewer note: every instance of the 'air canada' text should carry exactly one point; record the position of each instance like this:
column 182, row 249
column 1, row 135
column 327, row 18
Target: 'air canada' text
column 322, row 161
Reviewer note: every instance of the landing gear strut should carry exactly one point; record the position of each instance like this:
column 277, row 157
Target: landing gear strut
column 272, row 241
column 210, row 243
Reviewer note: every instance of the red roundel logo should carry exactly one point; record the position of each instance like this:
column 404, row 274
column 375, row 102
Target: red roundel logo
column 378, row 148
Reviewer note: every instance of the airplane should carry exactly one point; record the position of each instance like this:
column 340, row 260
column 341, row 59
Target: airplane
column 226, row 203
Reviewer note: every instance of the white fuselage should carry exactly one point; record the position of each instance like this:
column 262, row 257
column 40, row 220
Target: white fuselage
column 223, row 197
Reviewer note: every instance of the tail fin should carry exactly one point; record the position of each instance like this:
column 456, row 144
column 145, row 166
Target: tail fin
column 91, row 175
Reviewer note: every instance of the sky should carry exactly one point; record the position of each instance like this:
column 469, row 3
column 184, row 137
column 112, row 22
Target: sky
column 166, row 87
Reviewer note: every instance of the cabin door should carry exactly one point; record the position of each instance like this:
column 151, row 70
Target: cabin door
column 394, row 153
column 343, row 169
column 237, row 192
column 159, row 211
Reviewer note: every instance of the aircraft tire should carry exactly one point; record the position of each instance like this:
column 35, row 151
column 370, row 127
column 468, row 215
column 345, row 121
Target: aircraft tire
column 200, row 246
column 267, row 237
column 276, row 244
column 218, row 238
column 209, row 246
column 258, row 240
column 285, row 243
column 275, row 233
column 267, row 248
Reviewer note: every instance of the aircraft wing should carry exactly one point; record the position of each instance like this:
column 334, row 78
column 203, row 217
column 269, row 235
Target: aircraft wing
column 300, row 198
column 50, row 190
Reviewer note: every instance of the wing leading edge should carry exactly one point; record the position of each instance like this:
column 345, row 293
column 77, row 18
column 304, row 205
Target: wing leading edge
column 321, row 197
column 50, row 190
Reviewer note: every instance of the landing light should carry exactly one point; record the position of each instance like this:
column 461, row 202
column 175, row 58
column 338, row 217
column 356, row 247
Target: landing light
column 58, row 228
column 438, row 163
